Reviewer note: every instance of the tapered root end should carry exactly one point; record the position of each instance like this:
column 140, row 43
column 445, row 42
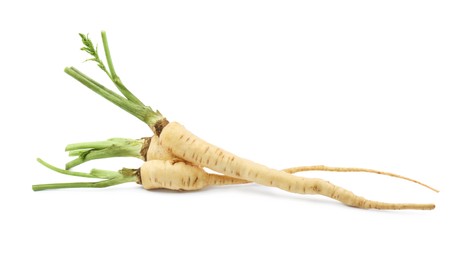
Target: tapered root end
column 427, row 207
column 393, row 206
column 419, row 206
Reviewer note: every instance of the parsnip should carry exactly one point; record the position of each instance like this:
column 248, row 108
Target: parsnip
column 195, row 153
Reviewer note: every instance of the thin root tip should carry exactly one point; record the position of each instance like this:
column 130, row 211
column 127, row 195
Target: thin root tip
column 421, row 206
column 430, row 207
column 426, row 206
column 431, row 188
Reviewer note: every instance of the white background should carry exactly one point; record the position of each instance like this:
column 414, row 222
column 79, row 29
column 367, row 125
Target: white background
column 344, row 83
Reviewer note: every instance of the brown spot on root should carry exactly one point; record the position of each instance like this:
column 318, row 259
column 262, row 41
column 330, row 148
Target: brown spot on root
column 315, row 188
column 187, row 139
column 206, row 149
column 238, row 173
column 159, row 126
column 195, row 180
column 181, row 137
column 145, row 147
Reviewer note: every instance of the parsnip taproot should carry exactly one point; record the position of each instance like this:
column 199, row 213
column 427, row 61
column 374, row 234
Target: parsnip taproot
column 352, row 169
column 182, row 143
column 156, row 174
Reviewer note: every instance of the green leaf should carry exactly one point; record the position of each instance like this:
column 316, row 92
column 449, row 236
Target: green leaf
column 93, row 51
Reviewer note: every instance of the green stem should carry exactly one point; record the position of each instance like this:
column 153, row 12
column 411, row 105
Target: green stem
column 107, row 149
column 100, row 184
column 107, row 52
column 103, row 144
column 76, row 162
column 88, row 145
column 105, row 174
column 114, row 76
column 111, row 178
column 67, row 172
column 78, row 152
column 144, row 113
column 100, row 89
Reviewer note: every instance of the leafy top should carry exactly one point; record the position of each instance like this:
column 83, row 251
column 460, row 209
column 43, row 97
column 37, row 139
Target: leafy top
column 93, row 51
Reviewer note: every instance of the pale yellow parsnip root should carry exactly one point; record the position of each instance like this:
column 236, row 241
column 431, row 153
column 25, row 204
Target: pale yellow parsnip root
column 185, row 145
column 172, row 175
column 352, row 169
column 157, row 152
